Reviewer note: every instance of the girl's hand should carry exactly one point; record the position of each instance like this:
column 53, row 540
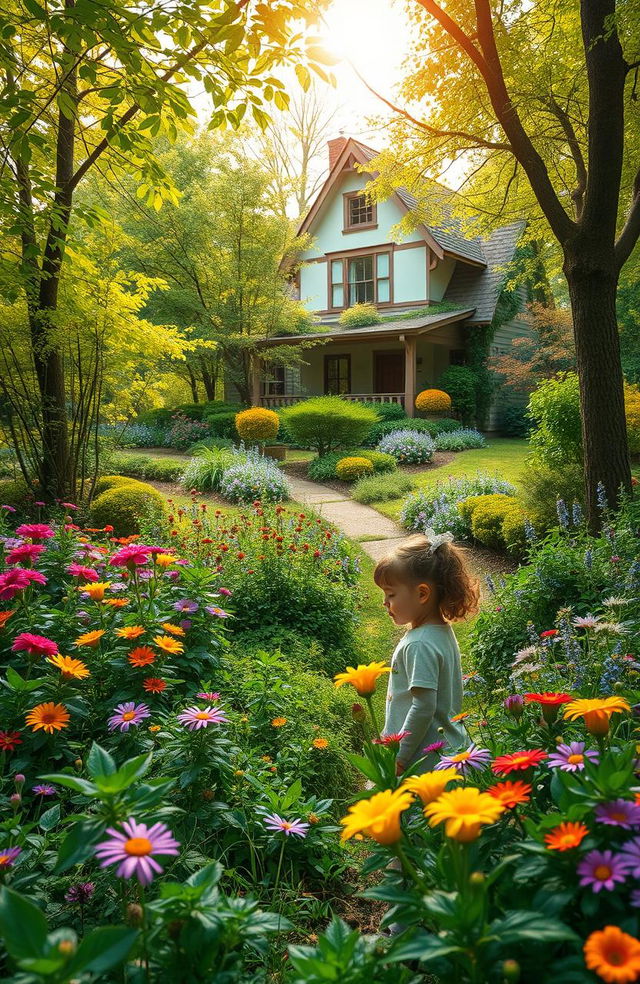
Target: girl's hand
column 399, row 767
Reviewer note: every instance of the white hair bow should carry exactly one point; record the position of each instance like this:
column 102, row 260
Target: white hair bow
column 437, row 539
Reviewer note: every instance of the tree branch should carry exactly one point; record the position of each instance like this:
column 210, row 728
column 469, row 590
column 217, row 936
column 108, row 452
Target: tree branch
column 576, row 152
column 631, row 229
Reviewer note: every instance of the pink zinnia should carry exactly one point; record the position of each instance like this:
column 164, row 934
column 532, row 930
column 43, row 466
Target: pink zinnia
column 208, row 695
column 35, row 531
column 127, row 714
column 435, row 746
column 78, row 570
column 133, row 850
column 194, row 718
column 34, row 645
column 18, row 579
column 26, row 551
column 131, row 556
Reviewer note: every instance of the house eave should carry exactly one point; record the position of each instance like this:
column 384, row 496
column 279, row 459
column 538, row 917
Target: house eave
column 374, row 333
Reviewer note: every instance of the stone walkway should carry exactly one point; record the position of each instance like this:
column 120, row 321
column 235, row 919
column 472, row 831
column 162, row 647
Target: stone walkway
column 377, row 534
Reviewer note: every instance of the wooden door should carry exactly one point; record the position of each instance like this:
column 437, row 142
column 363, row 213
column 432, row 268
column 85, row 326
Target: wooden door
column 388, row 372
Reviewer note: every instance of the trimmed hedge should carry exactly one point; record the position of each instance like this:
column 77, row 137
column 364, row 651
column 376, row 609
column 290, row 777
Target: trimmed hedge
column 327, row 423
column 125, row 506
column 349, row 469
column 107, row 482
column 487, row 516
column 324, row 469
column 386, row 411
column 381, row 488
column 257, row 424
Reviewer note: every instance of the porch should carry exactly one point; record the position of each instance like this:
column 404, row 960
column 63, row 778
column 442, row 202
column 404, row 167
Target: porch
column 273, row 401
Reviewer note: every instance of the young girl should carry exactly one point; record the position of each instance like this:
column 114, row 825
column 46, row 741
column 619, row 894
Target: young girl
column 426, row 586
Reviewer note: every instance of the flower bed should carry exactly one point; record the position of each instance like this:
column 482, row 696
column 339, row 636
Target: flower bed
column 436, row 508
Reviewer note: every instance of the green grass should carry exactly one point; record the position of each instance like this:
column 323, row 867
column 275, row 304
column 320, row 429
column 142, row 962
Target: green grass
column 503, row 456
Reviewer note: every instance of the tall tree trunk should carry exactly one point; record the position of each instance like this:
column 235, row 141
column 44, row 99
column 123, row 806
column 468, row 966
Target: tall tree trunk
column 193, row 383
column 208, row 379
column 592, row 277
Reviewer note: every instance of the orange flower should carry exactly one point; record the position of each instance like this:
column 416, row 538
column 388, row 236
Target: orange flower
column 116, row 602
column 153, row 728
column 173, row 629
column 72, row 669
column 130, row 632
column 154, row 685
column 596, row 712
column 141, row 656
column 566, row 836
column 518, row 761
column 511, row 794
column 95, row 590
column 278, row 722
column 320, row 743
column 5, row 616
column 613, row 955
column 460, row 717
column 50, row 717
column 168, row 644
column 90, row 638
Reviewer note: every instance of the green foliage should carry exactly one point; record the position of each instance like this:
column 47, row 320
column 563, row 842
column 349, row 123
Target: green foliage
column 342, row 954
column 107, row 482
column 360, row 316
column 431, row 427
column 205, row 470
column 223, row 424
column 351, row 468
column 386, row 411
column 513, row 420
column 554, row 408
column 381, row 488
column 543, row 483
column 127, row 507
column 144, row 466
column 326, row 423
column 461, row 382
column 17, row 494
column 324, row 469
column 381, row 462
column 486, row 516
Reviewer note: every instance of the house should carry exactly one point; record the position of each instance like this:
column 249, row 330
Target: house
column 355, row 258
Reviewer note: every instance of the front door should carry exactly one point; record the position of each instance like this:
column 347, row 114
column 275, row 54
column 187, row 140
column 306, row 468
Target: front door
column 388, row 372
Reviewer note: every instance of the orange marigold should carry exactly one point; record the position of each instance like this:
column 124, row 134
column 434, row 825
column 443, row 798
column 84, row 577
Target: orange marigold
column 613, row 955
column 278, row 722
column 511, row 794
column 320, row 743
column 154, row 685
column 130, row 632
column 90, row 638
column 50, row 717
column 566, row 836
column 141, row 656
column 116, row 602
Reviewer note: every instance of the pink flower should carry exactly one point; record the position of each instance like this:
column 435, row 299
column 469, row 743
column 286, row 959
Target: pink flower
column 35, row 531
column 26, row 551
column 391, row 739
column 127, row 714
column 133, row 850
column 18, row 579
column 273, row 821
column 435, row 746
column 208, row 695
column 34, row 645
column 225, row 591
column 8, row 855
column 194, row 718
column 78, row 570
column 131, row 556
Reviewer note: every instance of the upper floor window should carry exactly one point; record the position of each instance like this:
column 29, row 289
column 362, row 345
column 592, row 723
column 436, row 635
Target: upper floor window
column 360, row 280
column 359, row 212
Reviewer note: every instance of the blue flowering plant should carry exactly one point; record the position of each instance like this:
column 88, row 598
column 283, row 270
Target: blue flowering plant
column 436, row 507
column 408, row 447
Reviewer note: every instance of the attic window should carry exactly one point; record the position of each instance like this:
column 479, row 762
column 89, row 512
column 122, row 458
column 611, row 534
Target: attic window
column 359, row 212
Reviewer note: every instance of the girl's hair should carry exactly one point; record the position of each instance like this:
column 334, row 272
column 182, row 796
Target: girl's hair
column 445, row 567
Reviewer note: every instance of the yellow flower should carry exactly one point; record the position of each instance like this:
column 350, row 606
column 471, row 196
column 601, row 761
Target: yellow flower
column 430, row 785
column 378, row 817
column 363, row 678
column 596, row 712
column 90, row 638
column 154, row 728
column 50, row 717
column 320, row 743
column 165, row 560
column 175, row 630
column 168, row 644
column 96, row 590
column 72, row 669
column 278, row 722
column 464, row 811
column 130, row 631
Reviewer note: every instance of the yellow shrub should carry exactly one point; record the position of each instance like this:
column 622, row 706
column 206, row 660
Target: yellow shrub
column 257, row 424
column 349, row 469
column 632, row 411
column 433, row 401
column 496, row 521
column 126, row 506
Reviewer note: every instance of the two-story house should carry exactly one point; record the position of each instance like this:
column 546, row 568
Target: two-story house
column 355, row 258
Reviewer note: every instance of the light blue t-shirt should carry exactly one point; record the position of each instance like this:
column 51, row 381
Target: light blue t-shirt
column 427, row 657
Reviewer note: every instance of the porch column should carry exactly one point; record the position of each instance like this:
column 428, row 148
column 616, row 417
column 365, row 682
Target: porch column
column 256, row 378
column 409, row 374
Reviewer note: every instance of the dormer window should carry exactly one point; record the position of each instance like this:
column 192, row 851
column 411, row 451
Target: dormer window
column 359, row 212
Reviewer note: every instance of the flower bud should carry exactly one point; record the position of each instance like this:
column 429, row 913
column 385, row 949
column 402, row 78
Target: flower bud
column 514, row 705
column 511, row 970
column 477, row 878
column 15, row 799
column 358, row 713
column 78, row 763
column 19, row 781
column 135, row 914
column 618, row 687
column 207, row 795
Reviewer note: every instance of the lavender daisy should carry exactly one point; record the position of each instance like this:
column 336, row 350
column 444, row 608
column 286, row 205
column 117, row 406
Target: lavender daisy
column 134, row 849
column 81, row 893
column 602, row 869
column 619, row 813
column 195, row 718
column 635, row 898
column 572, row 757
column 631, row 856
column 44, row 789
column 274, row 822
column 184, row 605
column 218, row 612
column 8, row 855
column 127, row 714
column 463, row 762
column 586, row 621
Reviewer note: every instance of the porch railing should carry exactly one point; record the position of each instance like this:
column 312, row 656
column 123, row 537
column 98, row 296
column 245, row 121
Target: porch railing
column 286, row 401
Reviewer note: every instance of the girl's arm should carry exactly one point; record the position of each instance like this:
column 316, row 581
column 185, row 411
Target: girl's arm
column 417, row 723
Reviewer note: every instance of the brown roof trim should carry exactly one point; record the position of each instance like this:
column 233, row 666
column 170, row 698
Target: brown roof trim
column 374, row 332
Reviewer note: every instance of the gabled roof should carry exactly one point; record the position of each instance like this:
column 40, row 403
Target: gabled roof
column 480, row 289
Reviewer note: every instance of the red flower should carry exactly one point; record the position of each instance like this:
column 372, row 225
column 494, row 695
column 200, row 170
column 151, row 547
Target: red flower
column 154, row 685
column 511, row 794
column 34, row 645
column 549, row 634
column 548, row 699
column 9, row 740
column 518, row 761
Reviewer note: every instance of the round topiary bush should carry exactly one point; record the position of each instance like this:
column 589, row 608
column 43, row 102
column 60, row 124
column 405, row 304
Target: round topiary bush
column 486, row 515
column 326, row 423
column 107, row 482
column 433, row 401
column 381, row 462
column 126, row 506
column 349, row 469
column 257, row 424
column 408, row 447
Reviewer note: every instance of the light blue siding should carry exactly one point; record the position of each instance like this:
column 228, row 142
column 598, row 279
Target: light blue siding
column 439, row 278
column 410, row 275
column 313, row 286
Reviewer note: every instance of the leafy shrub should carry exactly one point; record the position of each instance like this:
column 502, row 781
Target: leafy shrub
column 184, row 431
column 386, row 411
column 326, row 423
column 212, row 408
column 17, row 494
column 159, row 417
column 433, row 401
column 544, row 483
column 632, row 412
column 144, row 466
column 381, row 462
column 205, row 470
column 323, row 469
column 485, row 515
column 445, row 425
column 460, row 440
column 514, row 531
column 461, row 383
column 257, row 424
column 554, row 407
column 128, row 507
column 223, row 424
column 513, row 420
column 360, row 316
column 436, row 508
column 409, row 447
column 381, row 488
column 254, row 478
column 349, row 469
column 106, row 482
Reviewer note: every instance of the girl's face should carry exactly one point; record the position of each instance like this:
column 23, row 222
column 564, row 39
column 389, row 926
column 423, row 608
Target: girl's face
column 406, row 602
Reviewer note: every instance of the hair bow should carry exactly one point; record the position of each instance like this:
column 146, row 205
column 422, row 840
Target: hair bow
column 437, row 539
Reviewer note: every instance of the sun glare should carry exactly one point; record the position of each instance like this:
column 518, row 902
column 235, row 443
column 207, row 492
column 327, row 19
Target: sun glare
column 371, row 34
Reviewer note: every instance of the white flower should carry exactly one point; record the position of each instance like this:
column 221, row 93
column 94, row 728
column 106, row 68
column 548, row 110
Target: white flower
column 614, row 627
column 526, row 653
column 611, row 602
column 586, row 622
column 526, row 668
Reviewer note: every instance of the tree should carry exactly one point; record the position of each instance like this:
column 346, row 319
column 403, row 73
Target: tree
column 91, row 85
column 541, row 97
column 547, row 349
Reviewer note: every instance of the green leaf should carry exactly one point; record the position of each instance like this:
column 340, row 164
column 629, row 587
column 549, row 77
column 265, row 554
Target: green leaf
column 99, row 762
column 126, row 776
column 16, row 682
column 72, row 782
column 35, row 9
column 22, row 925
column 101, row 950
column 364, row 765
column 422, row 946
column 520, row 924
column 78, row 844
column 50, row 818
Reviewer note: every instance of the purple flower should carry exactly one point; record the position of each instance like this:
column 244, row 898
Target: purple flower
column 515, row 705
column 602, row 869
column 134, row 849
column 274, row 822
column 435, row 746
column 208, row 695
column 463, row 762
column 571, row 757
column 80, row 893
column 218, row 612
column 184, row 605
column 631, row 856
column 635, row 898
column 9, row 509
column 44, row 789
column 226, row 592
column 127, row 714
column 619, row 813
column 8, row 856
column 195, row 718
